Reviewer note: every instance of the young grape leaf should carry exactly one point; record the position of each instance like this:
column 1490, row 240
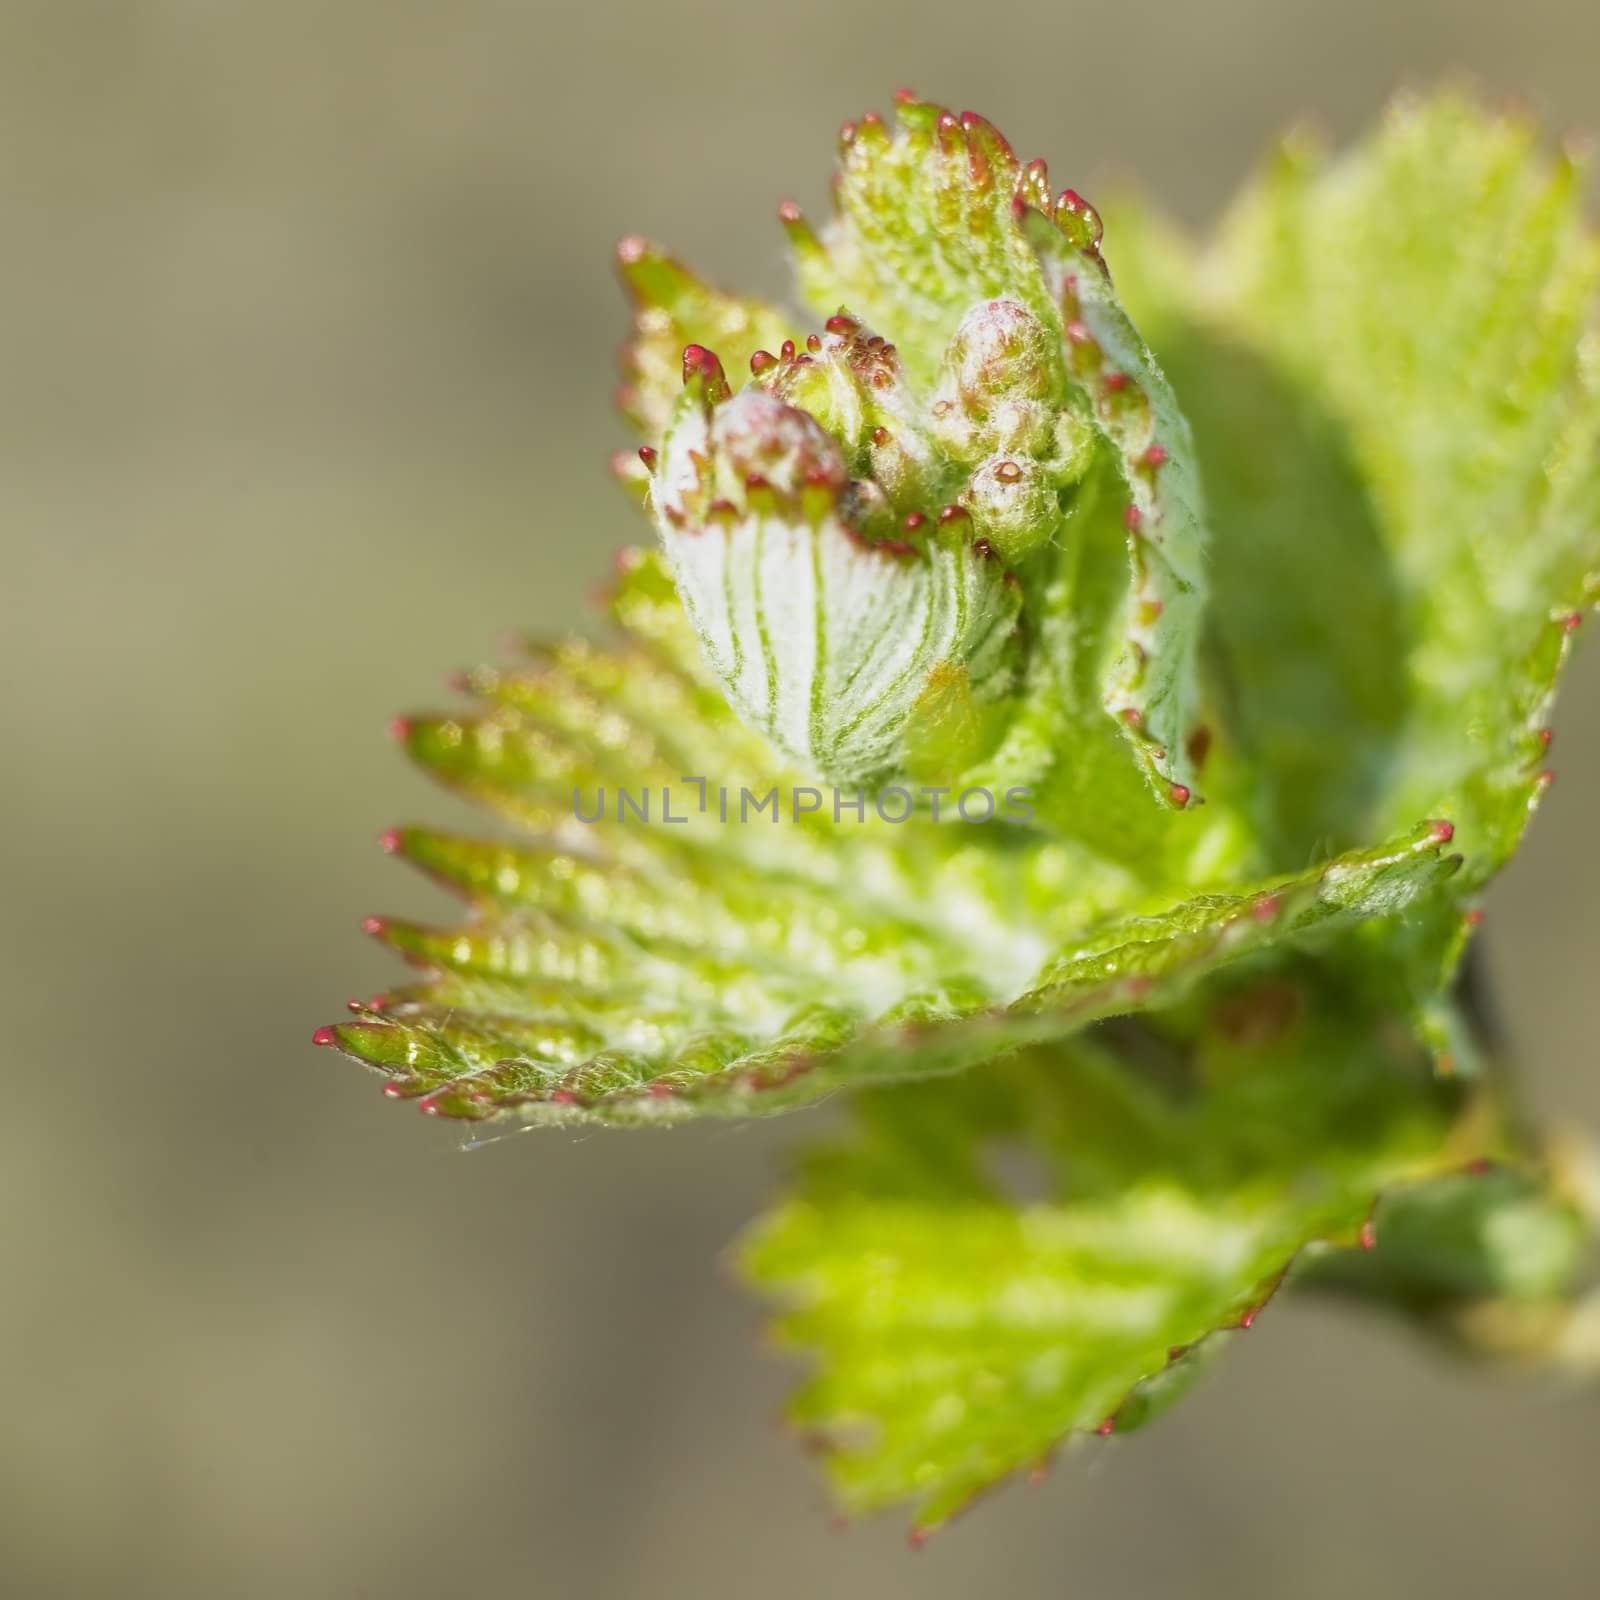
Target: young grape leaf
column 689, row 952
column 986, row 1266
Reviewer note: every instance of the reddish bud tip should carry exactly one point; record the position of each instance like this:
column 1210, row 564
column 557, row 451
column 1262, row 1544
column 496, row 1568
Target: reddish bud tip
column 1572, row 621
column 1132, row 715
column 914, row 521
column 788, row 213
column 918, row 1537
column 1107, row 1428
column 1179, row 794
column 1368, row 1237
column 1441, row 832
column 372, row 925
column 647, row 455
column 762, row 361
column 1546, row 735
column 1155, row 455
column 1248, row 1320
column 1132, row 518
column 400, row 729
column 1473, row 918
column 880, row 437
column 813, row 342
column 428, row 1107
column 323, row 1036
column 905, row 97
column 786, row 350
column 389, row 841
column 1545, row 778
column 393, row 1090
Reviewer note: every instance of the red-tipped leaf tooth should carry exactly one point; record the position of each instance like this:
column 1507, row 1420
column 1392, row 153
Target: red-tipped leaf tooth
column 1079, row 221
column 1546, row 737
column 400, row 729
column 1572, row 621
column 1545, row 779
column 389, row 841
column 1155, row 455
column 762, row 361
column 813, row 342
column 1179, row 794
column 324, row 1036
column 373, row 925
column 880, row 436
column 1367, row 1239
column 786, row 352
column 701, row 367
column 1132, row 519
column 906, row 97
column 1473, row 918
column 1107, row 1428
column 647, row 454
column 1177, row 1352
column 1442, row 831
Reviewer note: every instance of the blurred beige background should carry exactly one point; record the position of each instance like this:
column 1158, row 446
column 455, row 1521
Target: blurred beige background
column 306, row 343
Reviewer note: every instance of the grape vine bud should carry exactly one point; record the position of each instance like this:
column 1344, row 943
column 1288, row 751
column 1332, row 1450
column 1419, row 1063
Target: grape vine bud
column 872, row 523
